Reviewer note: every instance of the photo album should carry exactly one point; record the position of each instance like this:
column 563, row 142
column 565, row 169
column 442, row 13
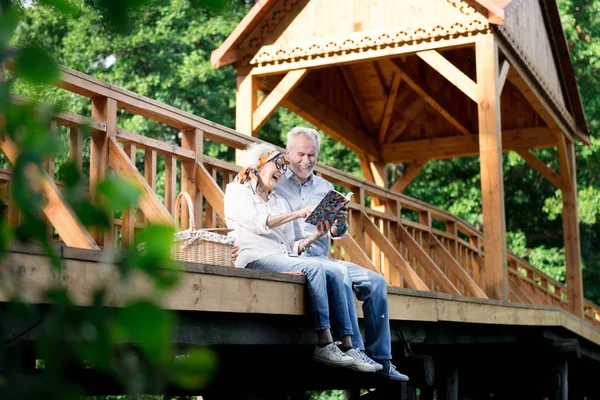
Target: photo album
column 328, row 207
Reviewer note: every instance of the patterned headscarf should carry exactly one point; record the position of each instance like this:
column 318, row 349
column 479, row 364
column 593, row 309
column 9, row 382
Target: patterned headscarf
column 250, row 174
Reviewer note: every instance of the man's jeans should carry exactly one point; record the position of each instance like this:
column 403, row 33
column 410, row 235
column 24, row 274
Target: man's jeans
column 371, row 289
column 326, row 289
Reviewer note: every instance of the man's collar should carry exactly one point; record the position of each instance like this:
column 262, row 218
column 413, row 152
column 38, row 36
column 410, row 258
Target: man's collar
column 291, row 175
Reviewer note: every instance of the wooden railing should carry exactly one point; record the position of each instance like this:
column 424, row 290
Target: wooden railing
column 411, row 243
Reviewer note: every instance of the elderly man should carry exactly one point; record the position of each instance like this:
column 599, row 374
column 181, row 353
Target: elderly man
column 301, row 188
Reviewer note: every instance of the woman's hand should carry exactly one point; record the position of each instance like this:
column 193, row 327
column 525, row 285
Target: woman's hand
column 305, row 212
column 322, row 229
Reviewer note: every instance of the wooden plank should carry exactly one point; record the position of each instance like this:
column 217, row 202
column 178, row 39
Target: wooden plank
column 149, row 203
column 76, row 147
column 55, row 208
column 148, row 143
column 572, row 244
column 418, row 85
column 269, row 105
column 451, row 263
column 496, row 13
column 353, row 88
column 425, row 261
column 502, row 76
column 396, row 259
column 211, row 191
column 562, row 145
column 462, row 146
column 410, row 174
column 451, row 73
column 150, row 164
column 389, row 107
column 539, row 166
column 357, row 254
column 492, row 182
column 170, row 183
column 128, row 218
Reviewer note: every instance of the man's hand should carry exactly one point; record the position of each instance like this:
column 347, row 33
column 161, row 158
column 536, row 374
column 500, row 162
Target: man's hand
column 234, row 253
column 340, row 217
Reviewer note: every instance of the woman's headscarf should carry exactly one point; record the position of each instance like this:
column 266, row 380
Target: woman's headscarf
column 250, row 174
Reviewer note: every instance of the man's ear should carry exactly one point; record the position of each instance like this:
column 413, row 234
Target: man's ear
column 287, row 153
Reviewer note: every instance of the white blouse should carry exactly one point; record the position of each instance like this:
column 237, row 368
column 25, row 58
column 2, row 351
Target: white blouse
column 246, row 213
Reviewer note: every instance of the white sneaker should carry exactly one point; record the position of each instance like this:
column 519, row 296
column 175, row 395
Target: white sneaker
column 359, row 362
column 370, row 361
column 332, row 355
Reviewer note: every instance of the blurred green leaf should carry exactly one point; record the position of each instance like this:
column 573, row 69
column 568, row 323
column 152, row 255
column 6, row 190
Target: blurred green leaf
column 150, row 326
column 36, row 66
column 157, row 240
column 196, row 369
column 9, row 20
column 118, row 192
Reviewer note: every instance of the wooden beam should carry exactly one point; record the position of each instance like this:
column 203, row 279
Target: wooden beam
column 562, row 145
column 462, row 146
column 55, row 208
column 451, row 264
column 572, row 245
column 332, row 123
column 492, row 181
column 359, row 103
column 425, row 261
column 528, row 87
column 149, row 203
column 451, row 73
column 389, row 107
column 407, row 116
column 540, row 167
column 419, row 86
column 495, row 12
column 212, row 192
column 192, row 140
column 357, row 254
column 410, row 174
column 396, row 259
column 273, row 100
column 502, row 76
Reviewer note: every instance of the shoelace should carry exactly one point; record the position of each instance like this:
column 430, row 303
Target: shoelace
column 336, row 350
column 366, row 358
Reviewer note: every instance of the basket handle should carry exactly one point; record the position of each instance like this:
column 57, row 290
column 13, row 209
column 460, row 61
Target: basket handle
column 188, row 199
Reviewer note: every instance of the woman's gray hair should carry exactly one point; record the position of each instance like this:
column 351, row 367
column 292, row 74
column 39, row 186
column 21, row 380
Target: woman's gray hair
column 309, row 133
column 254, row 152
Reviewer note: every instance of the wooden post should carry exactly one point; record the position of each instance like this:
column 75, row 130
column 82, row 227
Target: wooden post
column 492, row 187
column 568, row 173
column 245, row 106
column 103, row 110
column 76, row 147
column 192, row 139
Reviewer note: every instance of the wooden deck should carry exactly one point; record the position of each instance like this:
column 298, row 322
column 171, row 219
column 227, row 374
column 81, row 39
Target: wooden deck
column 252, row 315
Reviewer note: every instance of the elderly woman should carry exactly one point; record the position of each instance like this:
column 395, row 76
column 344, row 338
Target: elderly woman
column 260, row 220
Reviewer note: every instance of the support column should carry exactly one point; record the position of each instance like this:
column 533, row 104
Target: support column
column 245, row 105
column 492, row 187
column 103, row 110
column 568, row 173
column 192, row 139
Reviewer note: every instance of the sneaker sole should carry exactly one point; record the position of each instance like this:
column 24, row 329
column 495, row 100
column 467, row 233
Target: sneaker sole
column 334, row 363
column 363, row 368
column 391, row 378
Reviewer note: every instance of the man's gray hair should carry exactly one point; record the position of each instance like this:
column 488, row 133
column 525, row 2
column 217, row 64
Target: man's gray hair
column 309, row 133
column 254, row 152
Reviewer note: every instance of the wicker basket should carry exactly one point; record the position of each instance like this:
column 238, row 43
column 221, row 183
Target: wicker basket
column 193, row 247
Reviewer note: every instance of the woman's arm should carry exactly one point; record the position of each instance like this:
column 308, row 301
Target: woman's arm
column 273, row 221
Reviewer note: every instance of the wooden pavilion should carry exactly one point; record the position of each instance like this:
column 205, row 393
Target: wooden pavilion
column 418, row 80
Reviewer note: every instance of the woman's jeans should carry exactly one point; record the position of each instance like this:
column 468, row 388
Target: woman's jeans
column 326, row 289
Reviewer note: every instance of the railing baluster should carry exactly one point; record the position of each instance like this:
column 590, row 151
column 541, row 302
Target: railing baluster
column 170, row 182
column 128, row 220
